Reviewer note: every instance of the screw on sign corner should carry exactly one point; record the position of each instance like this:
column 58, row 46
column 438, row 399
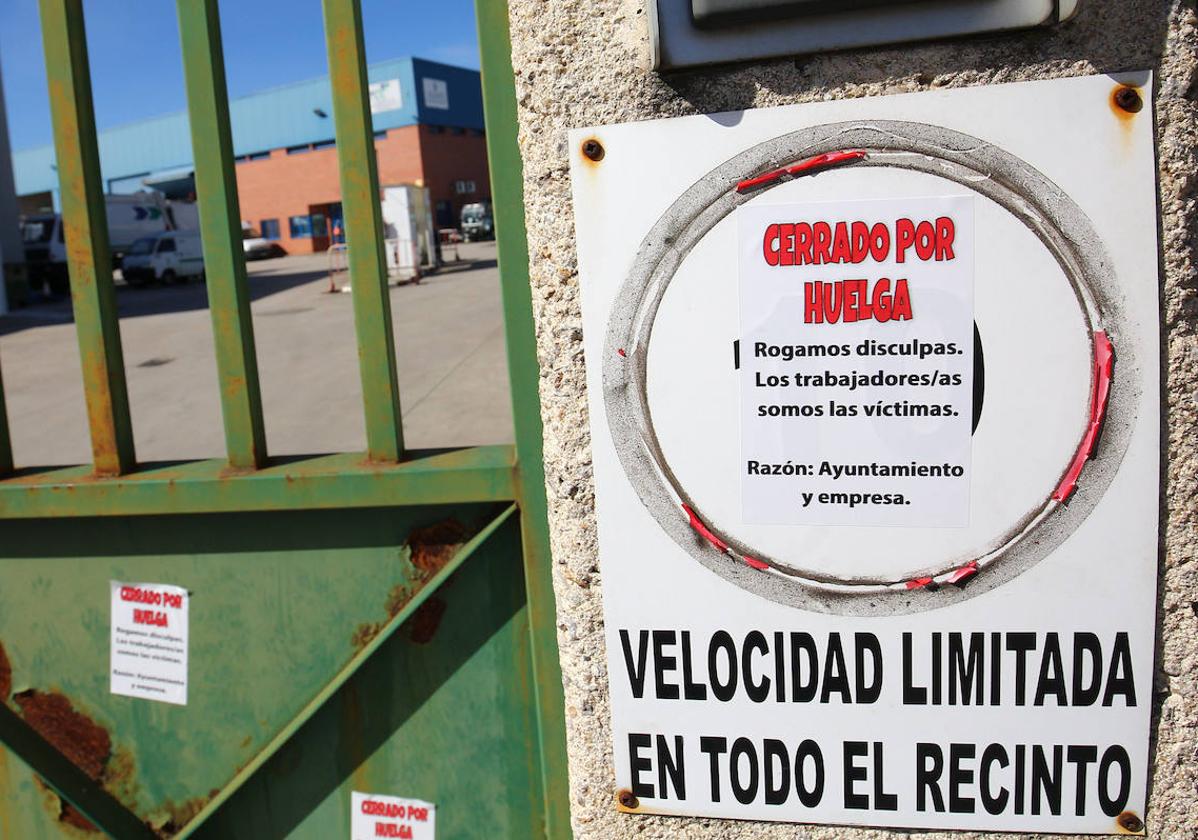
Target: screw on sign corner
column 1129, row 822
column 593, row 150
column 1128, row 99
column 627, row 799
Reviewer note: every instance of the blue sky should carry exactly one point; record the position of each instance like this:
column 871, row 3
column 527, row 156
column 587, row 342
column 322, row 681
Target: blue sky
column 133, row 47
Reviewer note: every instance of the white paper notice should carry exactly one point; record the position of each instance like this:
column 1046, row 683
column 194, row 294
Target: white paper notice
column 436, row 94
column 385, row 96
column 148, row 656
column 856, row 362
column 389, row 816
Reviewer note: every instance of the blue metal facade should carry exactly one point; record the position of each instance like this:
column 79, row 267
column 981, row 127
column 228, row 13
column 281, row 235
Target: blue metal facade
column 272, row 119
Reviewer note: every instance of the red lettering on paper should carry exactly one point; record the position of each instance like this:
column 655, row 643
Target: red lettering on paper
column 856, row 300
column 153, row 617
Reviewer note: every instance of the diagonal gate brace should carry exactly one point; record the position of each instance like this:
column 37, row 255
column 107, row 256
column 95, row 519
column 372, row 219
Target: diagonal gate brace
column 68, row 781
column 350, row 668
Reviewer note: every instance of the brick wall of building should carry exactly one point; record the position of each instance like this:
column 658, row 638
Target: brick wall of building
column 452, row 155
column 285, row 185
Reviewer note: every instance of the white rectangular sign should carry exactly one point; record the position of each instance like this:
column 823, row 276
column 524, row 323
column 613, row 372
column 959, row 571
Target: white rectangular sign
column 436, row 93
column 376, row 816
column 857, row 361
column 385, row 96
column 148, row 653
column 875, row 426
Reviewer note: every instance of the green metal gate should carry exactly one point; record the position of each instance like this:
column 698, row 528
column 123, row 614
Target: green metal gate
column 380, row 622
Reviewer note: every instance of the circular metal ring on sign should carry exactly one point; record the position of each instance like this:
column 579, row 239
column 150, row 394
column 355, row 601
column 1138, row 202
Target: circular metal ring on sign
column 1011, row 183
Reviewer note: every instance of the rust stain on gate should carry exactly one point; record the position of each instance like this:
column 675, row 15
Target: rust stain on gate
column 87, row 744
column 5, row 675
column 430, row 550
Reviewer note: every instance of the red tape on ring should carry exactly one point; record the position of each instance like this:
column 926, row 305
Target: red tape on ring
column 919, row 583
column 698, row 525
column 967, row 571
column 705, row 532
column 1104, row 357
column 803, row 167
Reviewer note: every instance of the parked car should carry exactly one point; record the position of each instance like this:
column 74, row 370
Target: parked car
column 478, row 222
column 257, row 247
column 165, row 257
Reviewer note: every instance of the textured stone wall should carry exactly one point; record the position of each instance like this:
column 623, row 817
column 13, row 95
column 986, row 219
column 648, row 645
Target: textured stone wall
column 586, row 62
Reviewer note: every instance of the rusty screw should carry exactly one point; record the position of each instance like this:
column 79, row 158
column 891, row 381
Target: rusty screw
column 1130, row 822
column 1129, row 100
column 628, row 799
column 593, row 149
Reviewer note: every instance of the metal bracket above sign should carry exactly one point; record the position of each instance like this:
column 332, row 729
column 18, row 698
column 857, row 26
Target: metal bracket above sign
column 687, row 33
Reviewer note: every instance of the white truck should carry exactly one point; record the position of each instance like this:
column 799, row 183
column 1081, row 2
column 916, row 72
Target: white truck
column 130, row 218
column 164, row 257
column 409, row 238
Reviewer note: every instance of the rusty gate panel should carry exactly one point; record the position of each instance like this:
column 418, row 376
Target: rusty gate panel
column 280, row 603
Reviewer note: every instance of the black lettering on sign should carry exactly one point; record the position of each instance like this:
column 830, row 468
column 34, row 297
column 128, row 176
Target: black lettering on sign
column 663, row 664
column 929, row 765
column 813, row 795
column 638, row 764
column 636, row 674
column 777, row 771
column 722, row 640
column 958, row 776
column 714, row 747
column 691, row 689
column 744, row 786
column 671, row 767
column 854, row 774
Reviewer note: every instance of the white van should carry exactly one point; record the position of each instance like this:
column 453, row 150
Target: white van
column 130, row 217
column 167, row 257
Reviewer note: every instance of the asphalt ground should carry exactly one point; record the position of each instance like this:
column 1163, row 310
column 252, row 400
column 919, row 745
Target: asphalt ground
column 449, row 345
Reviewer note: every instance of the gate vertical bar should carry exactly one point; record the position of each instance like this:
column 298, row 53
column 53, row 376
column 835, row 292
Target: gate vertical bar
column 507, row 189
column 220, row 226
column 86, row 226
column 364, row 229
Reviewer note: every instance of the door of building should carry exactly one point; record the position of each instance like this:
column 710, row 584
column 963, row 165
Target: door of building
column 318, row 215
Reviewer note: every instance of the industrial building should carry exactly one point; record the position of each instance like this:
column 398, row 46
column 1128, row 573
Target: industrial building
column 428, row 122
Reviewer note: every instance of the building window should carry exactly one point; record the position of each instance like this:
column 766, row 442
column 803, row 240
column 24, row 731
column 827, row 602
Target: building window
column 258, row 155
column 477, row 132
column 299, row 150
column 270, row 228
column 464, row 187
column 324, row 144
column 301, row 227
column 457, row 132
column 380, row 135
column 436, row 129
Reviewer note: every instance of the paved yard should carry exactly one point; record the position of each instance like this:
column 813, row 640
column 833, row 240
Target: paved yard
column 449, row 341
